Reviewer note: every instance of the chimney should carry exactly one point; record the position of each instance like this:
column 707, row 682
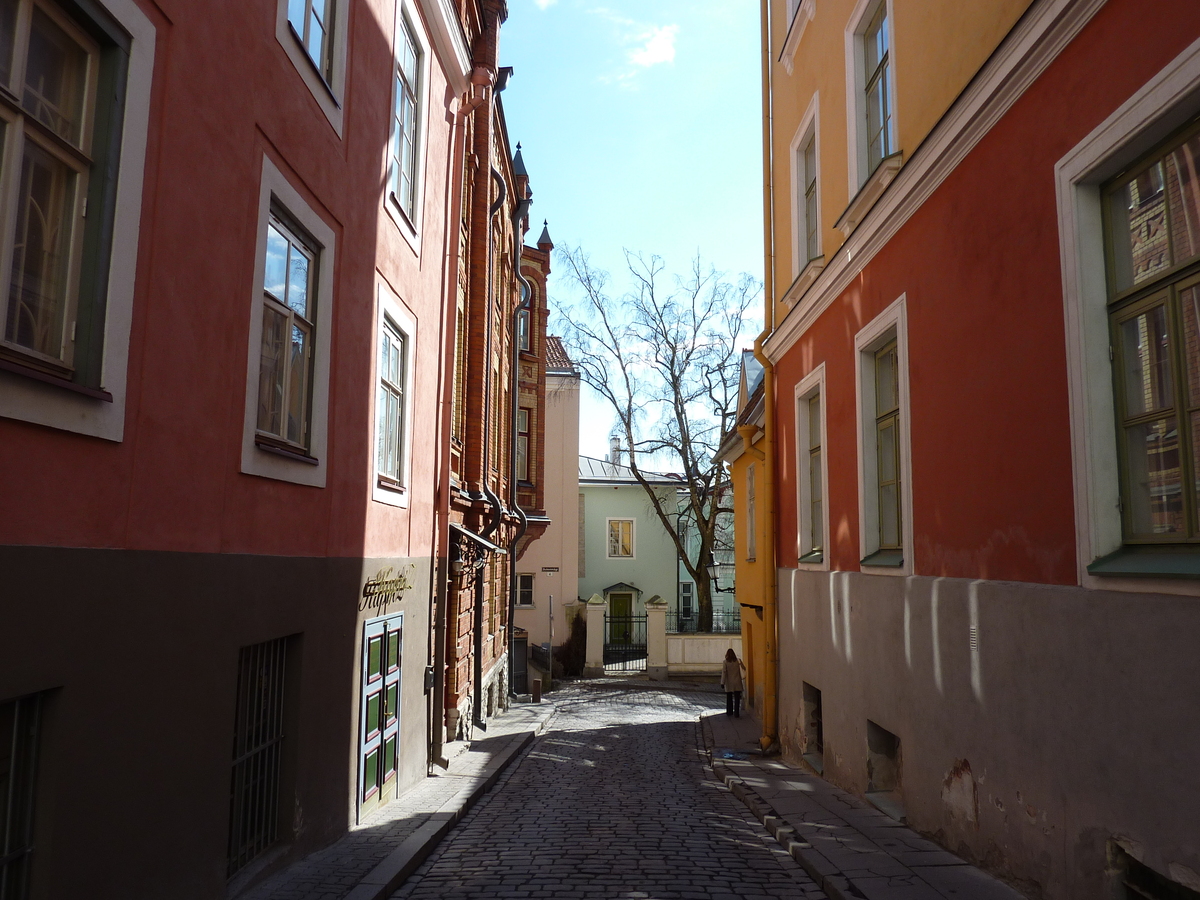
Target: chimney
column 614, row 450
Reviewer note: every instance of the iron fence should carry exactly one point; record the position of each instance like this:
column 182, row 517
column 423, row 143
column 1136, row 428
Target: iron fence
column 723, row 622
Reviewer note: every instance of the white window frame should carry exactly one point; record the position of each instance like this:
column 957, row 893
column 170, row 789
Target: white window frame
column 276, row 189
column 532, row 604
column 409, row 226
column 813, row 384
column 330, row 95
column 632, row 536
column 891, row 324
column 860, row 18
column 809, row 129
column 389, row 307
column 30, row 400
column 1165, row 102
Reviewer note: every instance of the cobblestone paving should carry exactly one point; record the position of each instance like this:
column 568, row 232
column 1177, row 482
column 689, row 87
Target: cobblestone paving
column 612, row 801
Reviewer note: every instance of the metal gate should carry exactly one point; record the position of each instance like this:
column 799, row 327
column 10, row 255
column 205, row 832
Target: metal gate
column 624, row 643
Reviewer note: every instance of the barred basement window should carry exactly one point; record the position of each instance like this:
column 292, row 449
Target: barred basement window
column 257, row 748
column 19, row 724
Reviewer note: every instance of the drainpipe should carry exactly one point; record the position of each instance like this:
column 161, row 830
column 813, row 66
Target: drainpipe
column 770, row 713
column 519, row 213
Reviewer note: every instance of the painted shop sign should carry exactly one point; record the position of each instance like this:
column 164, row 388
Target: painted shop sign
column 387, row 586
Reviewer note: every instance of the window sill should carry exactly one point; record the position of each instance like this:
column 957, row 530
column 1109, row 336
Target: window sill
column 268, row 447
column 806, row 278
column 38, row 375
column 892, row 559
column 387, row 484
column 871, row 191
column 813, row 556
column 1142, row 561
column 805, row 10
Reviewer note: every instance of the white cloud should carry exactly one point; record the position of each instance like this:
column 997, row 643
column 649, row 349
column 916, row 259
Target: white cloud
column 544, row 4
column 658, row 46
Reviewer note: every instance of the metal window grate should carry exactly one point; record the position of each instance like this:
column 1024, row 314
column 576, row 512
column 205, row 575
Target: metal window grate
column 18, row 757
column 257, row 742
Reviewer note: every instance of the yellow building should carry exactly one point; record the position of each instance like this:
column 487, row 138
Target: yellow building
column 854, row 87
column 745, row 462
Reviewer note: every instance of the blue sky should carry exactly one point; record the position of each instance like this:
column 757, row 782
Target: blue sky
column 640, row 124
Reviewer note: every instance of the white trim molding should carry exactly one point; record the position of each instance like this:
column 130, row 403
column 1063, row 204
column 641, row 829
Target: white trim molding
column 28, row 400
column 1167, row 101
column 330, row 96
column 890, row 324
column 812, row 384
column 390, row 307
column 805, row 12
column 255, row 461
column 1033, row 43
column 451, row 44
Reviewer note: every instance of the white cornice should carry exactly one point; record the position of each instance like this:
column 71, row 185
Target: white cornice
column 451, row 43
column 1034, row 42
column 800, row 18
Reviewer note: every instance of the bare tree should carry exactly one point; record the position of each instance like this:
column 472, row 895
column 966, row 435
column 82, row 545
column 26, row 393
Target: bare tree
column 665, row 356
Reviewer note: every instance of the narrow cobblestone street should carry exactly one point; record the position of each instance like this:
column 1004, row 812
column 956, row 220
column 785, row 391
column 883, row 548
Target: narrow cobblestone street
column 612, row 801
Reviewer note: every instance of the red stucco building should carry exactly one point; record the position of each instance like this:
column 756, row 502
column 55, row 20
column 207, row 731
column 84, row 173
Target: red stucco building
column 236, row 239
column 984, row 399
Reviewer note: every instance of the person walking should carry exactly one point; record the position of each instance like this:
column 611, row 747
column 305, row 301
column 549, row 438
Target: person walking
column 731, row 680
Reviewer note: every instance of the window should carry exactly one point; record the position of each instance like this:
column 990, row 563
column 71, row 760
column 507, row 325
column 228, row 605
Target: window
column 313, row 35
column 74, row 120
column 287, row 395
column 289, row 314
column 878, row 104
column 884, row 491
column 1116, row 506
column 63, row 136
column 810, row 483
column 525, row 590
column 686, row 597
column 806, row 183
column 887, row 444
column 405, row 119
column 312, row 21
column 1153, row 223
column 620, row 538
column 379, row 725
column 751, row 516
column 522, row 444
column 19, row 727
column 255, row 796
column 523, row 330
column 390, row 412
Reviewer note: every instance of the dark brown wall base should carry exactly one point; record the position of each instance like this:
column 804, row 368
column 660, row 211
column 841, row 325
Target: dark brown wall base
column 138, row 654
